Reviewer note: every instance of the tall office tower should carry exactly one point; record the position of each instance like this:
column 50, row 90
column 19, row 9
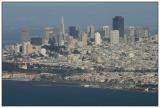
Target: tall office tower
column 98, row 39
column 60, row 38
column 105, row 32
column 145, row 38
column 118, row 24
column 48, row 31
column 142, row 34
column 78, row 31
column 25, row 35
column 84, row 39
column 74, row 32
column 62, row 30
column 114, row 37
column 61, row 34
column 91, row 30
column 131, row 34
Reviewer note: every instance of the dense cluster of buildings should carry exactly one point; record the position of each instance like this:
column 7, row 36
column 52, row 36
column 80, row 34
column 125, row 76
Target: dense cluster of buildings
column 105, row 49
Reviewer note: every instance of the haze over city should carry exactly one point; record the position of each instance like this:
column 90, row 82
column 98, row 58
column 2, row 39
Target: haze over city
column 80, row 54
column 40, row 15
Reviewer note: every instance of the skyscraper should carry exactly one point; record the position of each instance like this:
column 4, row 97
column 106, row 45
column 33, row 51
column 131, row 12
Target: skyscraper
column 131, row 34
column 84, row 39
column 27, row 48
column 114, row 37
column 91, row 30
column 105, row 32
column 62, row 30
column 118, row 24
column 73, row 31
column 142, row 34
column 98, row 39
column 61, row 34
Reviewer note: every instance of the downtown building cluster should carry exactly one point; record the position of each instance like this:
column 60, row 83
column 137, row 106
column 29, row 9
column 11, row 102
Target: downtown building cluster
column 115, row 57
column 116, row 48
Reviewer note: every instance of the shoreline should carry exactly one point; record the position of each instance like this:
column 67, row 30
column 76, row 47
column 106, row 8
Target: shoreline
column 78, row 84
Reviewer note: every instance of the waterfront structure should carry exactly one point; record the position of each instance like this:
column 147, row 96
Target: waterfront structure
column 105, row 32
column 98, row 39
column 118, row 24
column 25, row 35
column 48, row 31
column 84, row 39
column 114, row 37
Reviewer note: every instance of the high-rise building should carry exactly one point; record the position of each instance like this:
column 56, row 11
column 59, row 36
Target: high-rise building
column 114, row 37
column 84, row 39
column 17, row 48
column 73, row 31
column 131, row 34
column 61, row 34
column 61, row 40
column 118, row 24
column 91, row 31
column 62, row 29
column 98, row 39
column 142, row 34
column 26, row 48
column 105, row 32
column 48, row 31
column 78, row 31
column 25, row 35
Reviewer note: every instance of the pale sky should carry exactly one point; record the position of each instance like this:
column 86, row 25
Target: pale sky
column 38, row 15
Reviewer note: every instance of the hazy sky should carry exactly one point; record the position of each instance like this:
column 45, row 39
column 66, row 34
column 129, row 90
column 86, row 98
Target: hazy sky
column 39, row 15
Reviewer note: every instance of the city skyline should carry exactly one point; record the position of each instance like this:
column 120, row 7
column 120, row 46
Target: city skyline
column 49, row 14
column 65, row 51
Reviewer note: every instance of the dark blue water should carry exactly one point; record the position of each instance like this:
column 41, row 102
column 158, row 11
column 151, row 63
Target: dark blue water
column 17, row 93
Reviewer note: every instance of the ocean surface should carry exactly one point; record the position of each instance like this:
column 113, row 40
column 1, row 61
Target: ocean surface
column 21, row 93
